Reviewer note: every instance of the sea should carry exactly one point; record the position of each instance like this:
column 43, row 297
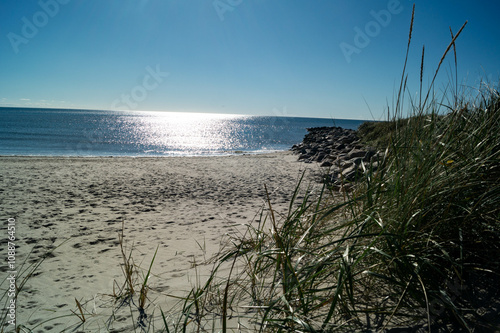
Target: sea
column 62, row 132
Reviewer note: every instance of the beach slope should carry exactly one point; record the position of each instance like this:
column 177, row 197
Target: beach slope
column 74, row 208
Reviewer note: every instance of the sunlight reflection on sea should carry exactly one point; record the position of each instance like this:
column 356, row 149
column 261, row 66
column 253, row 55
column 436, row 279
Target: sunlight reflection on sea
column 57, row 132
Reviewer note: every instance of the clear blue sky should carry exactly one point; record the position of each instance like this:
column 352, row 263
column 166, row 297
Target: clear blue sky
column 258, row 57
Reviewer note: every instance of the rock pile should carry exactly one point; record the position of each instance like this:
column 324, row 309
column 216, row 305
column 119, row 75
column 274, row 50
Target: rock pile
column 339, row 150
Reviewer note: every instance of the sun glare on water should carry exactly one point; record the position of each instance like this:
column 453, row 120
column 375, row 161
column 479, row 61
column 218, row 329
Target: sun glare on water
column 195, row 132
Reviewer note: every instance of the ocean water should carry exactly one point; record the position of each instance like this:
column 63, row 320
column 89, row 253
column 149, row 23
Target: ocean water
column 59, row 132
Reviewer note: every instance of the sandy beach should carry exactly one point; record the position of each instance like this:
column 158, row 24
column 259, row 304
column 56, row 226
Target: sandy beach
column 74, row 208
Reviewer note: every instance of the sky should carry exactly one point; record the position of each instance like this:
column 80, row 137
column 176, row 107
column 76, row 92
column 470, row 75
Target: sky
column 309, row 58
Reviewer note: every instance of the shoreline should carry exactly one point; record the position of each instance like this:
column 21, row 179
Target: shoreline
column 74, row 207
column 233, row 153
column 236, row 153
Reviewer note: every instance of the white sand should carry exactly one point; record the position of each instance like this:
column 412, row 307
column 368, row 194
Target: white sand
column 179, row 205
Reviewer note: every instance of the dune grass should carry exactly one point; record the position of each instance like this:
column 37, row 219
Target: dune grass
column 408, row 248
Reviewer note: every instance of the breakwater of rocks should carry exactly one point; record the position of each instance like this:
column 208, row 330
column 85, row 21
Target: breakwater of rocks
column 339, row 151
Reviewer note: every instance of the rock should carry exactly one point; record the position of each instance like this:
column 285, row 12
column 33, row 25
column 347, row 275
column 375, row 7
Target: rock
column 346, row 164
column 339, row 146
column 357, row 161
column 356, row 153
column 341, row 155
column 327, row 163
column 339, row 150
column 304, row 156
column 369, row 154
column 351, row 173
column 347, row 139
column 319, row 157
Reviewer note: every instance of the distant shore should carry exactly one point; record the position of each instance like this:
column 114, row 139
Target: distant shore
column 75, row 206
